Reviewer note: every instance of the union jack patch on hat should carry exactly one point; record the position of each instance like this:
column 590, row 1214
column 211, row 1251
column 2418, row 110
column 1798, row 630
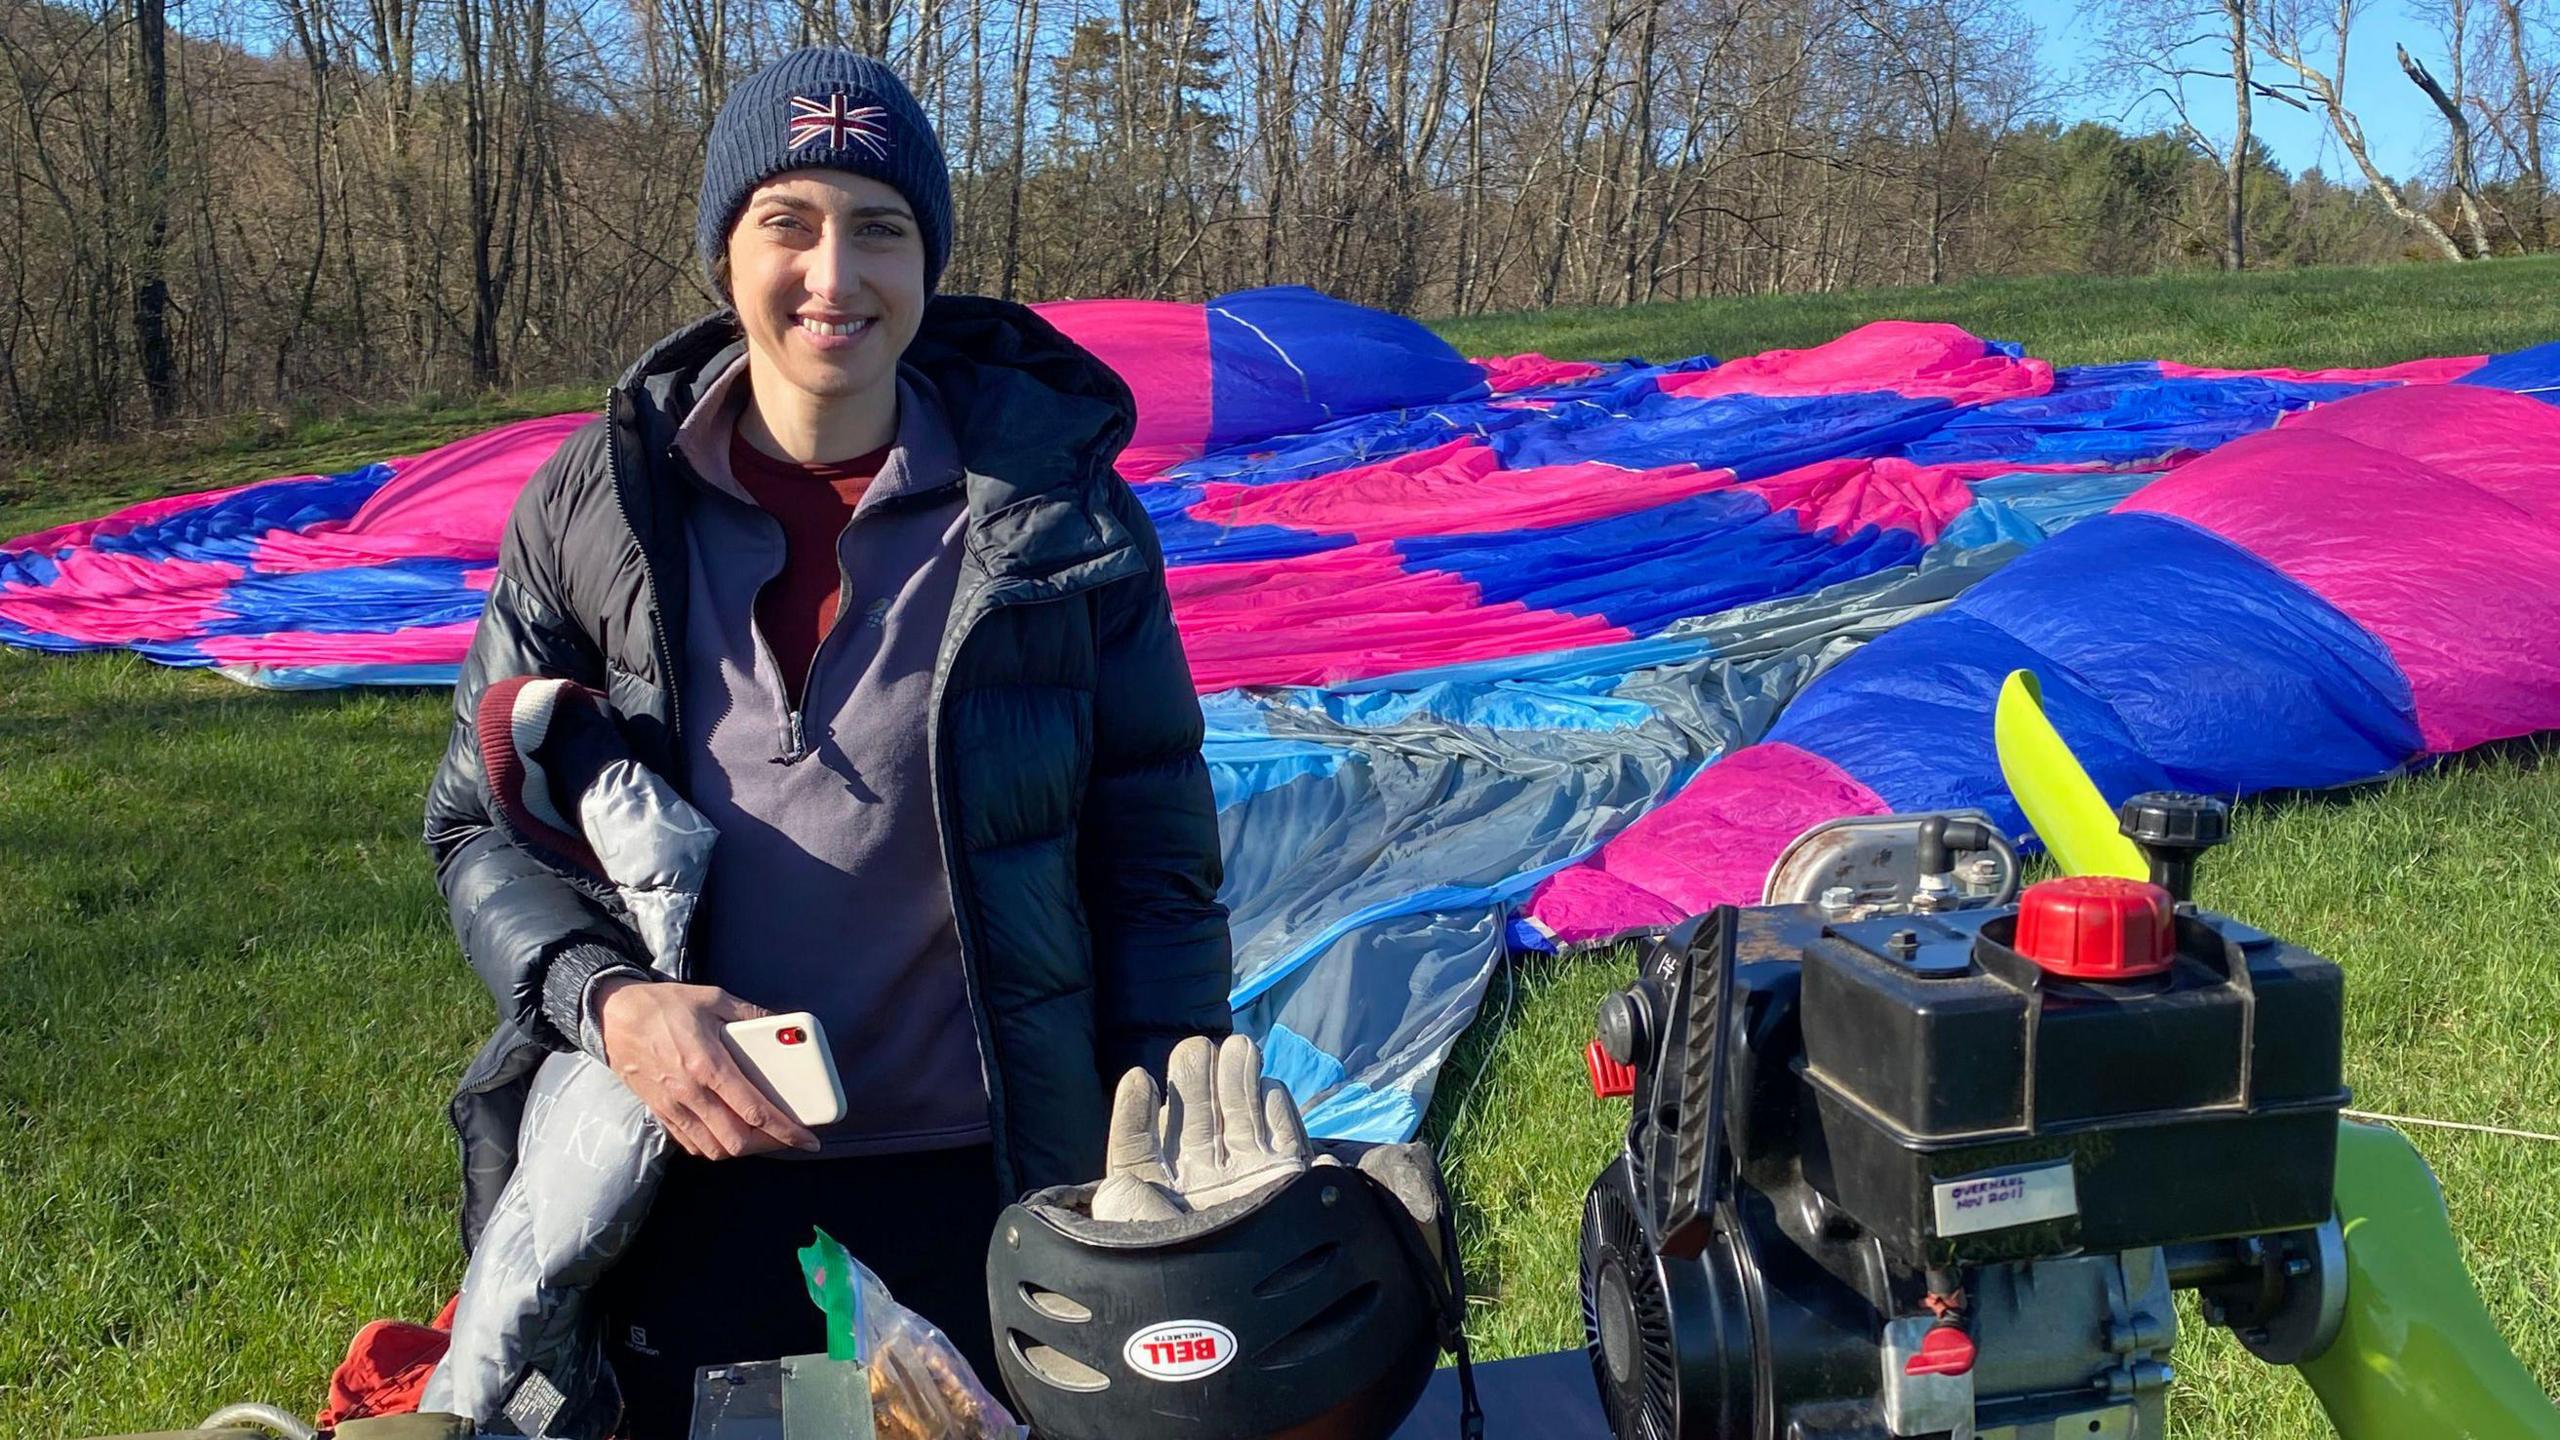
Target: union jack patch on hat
column 839, row 124
column 823, row 107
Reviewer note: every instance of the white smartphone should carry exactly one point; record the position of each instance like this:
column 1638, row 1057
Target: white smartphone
column 787, row 1056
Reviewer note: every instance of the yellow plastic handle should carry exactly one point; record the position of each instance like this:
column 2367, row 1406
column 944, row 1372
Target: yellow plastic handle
column 2061, row 802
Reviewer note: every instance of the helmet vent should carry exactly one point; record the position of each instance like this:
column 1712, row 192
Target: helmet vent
column 1330, row 1329
column 1297, row 1272
column 1056, row 1366
column 1054, row 1305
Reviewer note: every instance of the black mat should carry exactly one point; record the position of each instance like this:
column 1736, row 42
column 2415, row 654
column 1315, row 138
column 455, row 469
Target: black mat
column 1536, row 1397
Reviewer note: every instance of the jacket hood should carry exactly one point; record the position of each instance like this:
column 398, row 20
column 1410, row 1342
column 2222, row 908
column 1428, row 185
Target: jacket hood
column 1026, row 403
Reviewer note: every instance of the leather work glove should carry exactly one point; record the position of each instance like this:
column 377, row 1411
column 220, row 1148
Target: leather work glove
column 1217, row 1131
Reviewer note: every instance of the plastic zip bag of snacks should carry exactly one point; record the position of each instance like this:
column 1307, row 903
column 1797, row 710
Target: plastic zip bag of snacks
column 921, row 1389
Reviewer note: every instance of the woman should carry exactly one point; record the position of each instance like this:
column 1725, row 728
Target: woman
column 849, row 561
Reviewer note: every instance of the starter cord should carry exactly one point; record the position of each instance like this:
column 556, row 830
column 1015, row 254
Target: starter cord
column 2451, row 1125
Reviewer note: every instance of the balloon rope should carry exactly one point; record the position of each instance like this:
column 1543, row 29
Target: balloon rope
column 2450, row 1125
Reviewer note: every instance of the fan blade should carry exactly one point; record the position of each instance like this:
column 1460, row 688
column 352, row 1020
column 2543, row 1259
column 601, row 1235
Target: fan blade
column 2417, row 1353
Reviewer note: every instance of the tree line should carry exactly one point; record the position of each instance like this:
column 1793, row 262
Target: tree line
column 278, row 204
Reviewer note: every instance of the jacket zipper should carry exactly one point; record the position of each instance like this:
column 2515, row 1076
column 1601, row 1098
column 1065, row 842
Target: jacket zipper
column 799, row 736
column 795, row 734
column 818, row 652
column 618, row 407
column 945, row 807
column 795, row 745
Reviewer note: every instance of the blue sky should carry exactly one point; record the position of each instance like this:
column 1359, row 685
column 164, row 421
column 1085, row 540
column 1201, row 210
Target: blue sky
column 2403, row 129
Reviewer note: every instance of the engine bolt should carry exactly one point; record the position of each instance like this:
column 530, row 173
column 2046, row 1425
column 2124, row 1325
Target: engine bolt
column 2297, row 1267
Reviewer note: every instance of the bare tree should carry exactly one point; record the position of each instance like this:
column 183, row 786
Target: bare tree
column 310, row 37
column 1959, row 60
column 2290, row 32
column 479, row 26
column 362, row 199
column 2152, row 48
column 1025, row 45
column 2235, row 165
column 2528, row 108
column 2466, row 187
column 1485, row 35
column 2517, row 122
column 151, row 206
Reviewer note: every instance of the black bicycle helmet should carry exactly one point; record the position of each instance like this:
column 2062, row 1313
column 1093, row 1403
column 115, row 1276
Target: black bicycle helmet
column 1314, row 1310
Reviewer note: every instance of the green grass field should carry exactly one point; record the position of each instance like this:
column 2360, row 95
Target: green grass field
column 233, row 1011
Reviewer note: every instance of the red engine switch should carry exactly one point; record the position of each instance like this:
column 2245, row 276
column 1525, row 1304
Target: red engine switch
column 1609, row 1079
column 2097, row 927
column 1945, row 1350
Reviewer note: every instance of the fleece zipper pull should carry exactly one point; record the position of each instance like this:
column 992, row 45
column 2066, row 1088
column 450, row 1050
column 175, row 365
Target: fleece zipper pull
column 795, row 743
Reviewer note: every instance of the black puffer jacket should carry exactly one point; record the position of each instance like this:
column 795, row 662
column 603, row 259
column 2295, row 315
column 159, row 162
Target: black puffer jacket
column 1075, row 810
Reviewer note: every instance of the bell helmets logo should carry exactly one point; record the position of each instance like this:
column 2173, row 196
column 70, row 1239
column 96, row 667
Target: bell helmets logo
column 1180, row 1350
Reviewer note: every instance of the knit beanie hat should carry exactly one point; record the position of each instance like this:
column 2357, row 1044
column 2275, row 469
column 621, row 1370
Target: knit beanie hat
column 833, row 109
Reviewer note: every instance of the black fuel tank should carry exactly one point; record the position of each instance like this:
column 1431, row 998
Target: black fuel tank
column 1974, row 1107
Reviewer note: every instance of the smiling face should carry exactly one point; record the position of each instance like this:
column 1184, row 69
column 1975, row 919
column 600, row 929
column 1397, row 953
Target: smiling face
column 826, row 269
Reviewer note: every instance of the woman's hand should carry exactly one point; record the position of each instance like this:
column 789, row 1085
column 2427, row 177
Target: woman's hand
column 665, row 1041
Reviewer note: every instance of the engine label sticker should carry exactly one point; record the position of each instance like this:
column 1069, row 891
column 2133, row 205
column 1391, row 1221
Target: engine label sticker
column 1998, row 1199
column 1180, row 1349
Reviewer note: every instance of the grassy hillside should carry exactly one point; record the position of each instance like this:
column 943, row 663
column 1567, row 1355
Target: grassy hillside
column 233, row 1012
column 2305, row 318
column 91, row 480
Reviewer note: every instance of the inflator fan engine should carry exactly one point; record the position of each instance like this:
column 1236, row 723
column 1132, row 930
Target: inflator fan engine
column 1933, row 1166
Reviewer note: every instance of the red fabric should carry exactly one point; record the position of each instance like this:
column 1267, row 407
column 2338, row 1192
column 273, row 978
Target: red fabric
column 1713, row 844
column 2429, row 515
column 1903, row 357
column 386, row 1368
column 1504, row 374
column 813, row 502
column 505, row 768
column 1453, row 489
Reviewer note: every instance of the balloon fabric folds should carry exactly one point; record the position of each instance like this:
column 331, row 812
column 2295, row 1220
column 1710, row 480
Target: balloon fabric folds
column 1519, row 652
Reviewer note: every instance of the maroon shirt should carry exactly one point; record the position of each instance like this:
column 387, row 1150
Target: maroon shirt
column 827, row 891
column 813, row 502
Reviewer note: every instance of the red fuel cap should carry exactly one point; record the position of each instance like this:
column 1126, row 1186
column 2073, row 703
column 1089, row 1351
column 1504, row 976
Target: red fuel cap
column 2097, row 927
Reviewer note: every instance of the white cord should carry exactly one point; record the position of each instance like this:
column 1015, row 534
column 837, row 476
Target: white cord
column 1502, row 1022
column 2450, row 1125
